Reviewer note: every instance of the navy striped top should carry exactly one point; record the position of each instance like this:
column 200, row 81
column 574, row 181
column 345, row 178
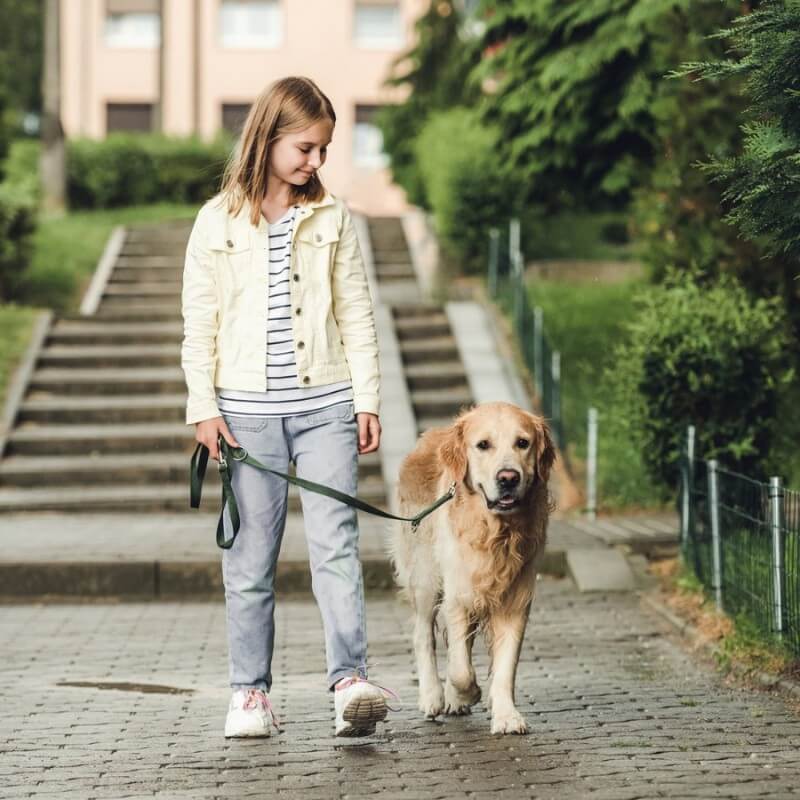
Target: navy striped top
column 283, row 396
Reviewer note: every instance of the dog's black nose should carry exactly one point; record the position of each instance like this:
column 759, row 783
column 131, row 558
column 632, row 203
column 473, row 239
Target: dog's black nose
column 507, row 479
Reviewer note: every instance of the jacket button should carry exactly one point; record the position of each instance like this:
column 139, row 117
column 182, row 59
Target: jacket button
column 229, row 243
column 306, row 379
column 297, row 310
column 296, row 276
column 318, row 237
column 301, row 345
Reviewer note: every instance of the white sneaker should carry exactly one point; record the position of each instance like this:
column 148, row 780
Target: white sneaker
column 359, row 705
column 249, row 714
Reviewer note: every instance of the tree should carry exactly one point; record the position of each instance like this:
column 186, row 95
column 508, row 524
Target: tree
column 762, row 183
column 434, row 71
column 53, row 157
column 578, row 87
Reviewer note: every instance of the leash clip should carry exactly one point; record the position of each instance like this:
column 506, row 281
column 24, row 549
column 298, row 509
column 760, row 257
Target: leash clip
column 242, row 457
column 452, row 490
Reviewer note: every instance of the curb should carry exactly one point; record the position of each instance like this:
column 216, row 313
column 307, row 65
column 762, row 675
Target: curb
column 102, row 272
column 689, row 631
column 22, row 376
column 142, row 581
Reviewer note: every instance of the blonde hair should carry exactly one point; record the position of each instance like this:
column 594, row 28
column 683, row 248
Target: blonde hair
column 288, row 105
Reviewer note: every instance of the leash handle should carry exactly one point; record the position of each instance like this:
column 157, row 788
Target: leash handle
column 197, row 473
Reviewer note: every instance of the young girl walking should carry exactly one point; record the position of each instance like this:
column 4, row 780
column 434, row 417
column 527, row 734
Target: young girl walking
column 281, row 358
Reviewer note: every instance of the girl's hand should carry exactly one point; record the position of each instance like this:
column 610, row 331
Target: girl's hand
column 207, row 431
column 369, row 432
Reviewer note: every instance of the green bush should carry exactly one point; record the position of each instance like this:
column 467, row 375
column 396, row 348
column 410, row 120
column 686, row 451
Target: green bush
column 17, row 224
column 463, row 184
column 708, row 355
column 127, row 169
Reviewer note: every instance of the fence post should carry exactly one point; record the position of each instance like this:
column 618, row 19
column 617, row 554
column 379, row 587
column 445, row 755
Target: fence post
column 513, row 239
column 555, row 411
column 716, row 543
column 538, row 350
column 519, row 295
column 688, row 487
column 591, row 466
column 494, row 260
column 776, row 520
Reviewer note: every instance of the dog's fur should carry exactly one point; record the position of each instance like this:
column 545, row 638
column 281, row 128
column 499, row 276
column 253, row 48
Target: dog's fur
column 475, row 561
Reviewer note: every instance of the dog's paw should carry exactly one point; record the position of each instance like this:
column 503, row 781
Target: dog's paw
column 460, row 702
column 509, row 722
column 431, row 703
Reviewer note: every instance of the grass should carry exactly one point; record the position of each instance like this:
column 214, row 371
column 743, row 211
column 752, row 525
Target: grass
column 585, row 321
column 66, row 250
column 741, row 645
column 16, row 327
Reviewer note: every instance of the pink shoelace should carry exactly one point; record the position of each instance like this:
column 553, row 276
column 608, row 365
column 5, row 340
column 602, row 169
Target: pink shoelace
column 256, row 698
column 344, row 683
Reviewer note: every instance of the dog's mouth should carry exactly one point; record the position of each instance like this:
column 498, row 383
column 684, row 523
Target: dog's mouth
column 505, row 502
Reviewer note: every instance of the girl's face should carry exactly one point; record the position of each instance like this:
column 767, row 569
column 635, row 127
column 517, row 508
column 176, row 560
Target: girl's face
column 295, row 157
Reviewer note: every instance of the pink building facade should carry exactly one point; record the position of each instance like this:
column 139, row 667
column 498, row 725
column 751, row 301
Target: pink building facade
column 219, row 54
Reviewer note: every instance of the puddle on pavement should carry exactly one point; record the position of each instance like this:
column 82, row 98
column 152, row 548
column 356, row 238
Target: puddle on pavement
column 123, row 686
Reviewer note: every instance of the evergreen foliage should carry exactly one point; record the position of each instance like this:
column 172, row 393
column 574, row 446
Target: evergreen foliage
column 762, row 183
column 434, row 74
column 580, row 89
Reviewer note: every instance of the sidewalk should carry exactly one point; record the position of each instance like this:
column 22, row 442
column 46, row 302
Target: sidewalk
column 617, row 711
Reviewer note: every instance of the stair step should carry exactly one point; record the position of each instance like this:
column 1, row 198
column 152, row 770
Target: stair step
column 110, row 356
column 435, row 375
column 154, row 437
column 435, row 325
column 165, row 249
column 394, row 271
column 139, row 498
column 132, row 275
column 133, row 380
column 405, row 311
column 148, row 262
column 127, row 310
column 123, row 468
column 103, row 409
column 77, row 331
column 437, row 348
column 143, row 289
column 440, row 402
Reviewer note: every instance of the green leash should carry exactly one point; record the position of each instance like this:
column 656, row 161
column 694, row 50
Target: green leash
column 199, row 463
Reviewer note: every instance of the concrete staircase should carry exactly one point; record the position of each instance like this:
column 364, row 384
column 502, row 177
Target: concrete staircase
column 101, row 427
column 435, row 376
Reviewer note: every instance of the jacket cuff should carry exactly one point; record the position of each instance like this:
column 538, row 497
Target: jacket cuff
column 197, row 412
column 366, row 402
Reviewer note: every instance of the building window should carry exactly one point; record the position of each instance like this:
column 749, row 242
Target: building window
column 368, row 140
column 250, row 23
column 233, row 117
column 132, row 23
column 129, row 117
column 378, row 24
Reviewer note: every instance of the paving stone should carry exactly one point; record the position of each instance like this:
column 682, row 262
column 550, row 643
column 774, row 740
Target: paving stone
column 615, row 711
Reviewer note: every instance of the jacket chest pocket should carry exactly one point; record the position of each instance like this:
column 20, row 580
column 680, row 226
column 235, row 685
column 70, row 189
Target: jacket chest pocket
column 317, row 249
column 233, row 264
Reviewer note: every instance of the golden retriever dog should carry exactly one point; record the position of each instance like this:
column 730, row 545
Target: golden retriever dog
column 474, row 556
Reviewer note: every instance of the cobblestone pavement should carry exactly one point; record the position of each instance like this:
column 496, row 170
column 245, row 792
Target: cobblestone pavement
column 616, row 707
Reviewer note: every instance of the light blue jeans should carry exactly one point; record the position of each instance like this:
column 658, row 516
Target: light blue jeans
column 323, row 447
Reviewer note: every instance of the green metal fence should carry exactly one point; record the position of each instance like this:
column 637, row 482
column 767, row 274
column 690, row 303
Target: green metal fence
column 741, row 537
column 507, row 288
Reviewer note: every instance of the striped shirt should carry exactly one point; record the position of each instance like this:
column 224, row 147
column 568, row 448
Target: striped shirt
column 283, row 396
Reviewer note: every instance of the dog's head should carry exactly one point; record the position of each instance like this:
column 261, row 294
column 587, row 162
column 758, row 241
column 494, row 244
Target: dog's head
column 500, row 450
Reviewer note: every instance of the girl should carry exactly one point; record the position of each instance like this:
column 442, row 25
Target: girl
column 281, row 358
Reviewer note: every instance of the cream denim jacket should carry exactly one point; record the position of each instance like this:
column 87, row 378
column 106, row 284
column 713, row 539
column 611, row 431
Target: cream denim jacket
column 225, row 298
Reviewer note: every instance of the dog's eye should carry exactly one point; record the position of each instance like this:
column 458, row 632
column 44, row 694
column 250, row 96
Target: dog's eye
column 483, row 444
column 523, row 443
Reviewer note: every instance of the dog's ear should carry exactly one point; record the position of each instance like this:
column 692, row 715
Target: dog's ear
column 452, row 451
column 545, row 449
